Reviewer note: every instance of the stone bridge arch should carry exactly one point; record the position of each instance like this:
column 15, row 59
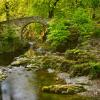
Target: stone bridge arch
column 23, row 22
column 43, row 29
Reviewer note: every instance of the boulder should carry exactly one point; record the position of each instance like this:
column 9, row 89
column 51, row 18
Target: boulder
column 32, row 67
column 63, row 89
column 20, row 61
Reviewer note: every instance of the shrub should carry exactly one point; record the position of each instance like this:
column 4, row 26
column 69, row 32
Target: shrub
column 10, row 40
column 82, row 20
column 58, row 33
column 66, row 34
column 96, row 33
column 95, row 70
column 79, row 55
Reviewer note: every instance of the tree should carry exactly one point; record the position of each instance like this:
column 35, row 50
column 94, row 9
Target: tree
column 94, row 4
column 52, row 8
column 7, row 10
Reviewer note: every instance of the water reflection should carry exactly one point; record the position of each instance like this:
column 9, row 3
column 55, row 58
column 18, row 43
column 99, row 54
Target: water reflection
column 7, row 58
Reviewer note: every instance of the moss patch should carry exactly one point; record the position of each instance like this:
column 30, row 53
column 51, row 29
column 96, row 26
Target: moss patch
column 2, row 76
column 63, row 89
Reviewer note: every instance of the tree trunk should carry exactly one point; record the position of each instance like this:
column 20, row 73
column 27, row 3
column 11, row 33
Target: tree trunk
column 94, row 14
column 51, row 11
column 76, row 2
column 7, row 11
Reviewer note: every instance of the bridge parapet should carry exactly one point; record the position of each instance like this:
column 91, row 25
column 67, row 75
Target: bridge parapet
column 25, row 20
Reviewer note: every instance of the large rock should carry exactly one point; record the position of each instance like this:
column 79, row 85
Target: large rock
column 32, row 67
column 63, row 89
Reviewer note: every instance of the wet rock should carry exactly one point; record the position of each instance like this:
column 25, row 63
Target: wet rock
column 20, row 61
column 9, row 70
column 32, row 67
column 63, row 89
column 40, row 51
column 93, row 89
column 82, row 80
column 50, row 70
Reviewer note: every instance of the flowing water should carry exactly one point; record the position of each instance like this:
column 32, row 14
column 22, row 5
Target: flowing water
column 16, row 86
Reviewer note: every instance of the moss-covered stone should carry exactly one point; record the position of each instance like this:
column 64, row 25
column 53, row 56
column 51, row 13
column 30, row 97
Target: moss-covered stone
column 63, row 89
column 95, row 70
column 2, row 76
column 55, row 62
column 80, row 69
column 32, row 67
column 79, row 55
column 20, row 61
column 91, row 68
column 76, row 63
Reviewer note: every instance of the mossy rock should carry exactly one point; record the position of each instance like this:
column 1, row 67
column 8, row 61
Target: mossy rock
column 63, row 89
column 79, row 55
column 20, row 61
column 55, row 62
column 51, row 61
column 2, row 76
column 91, row 68
column 80, row 69
column 32, row 67
column 66, row 64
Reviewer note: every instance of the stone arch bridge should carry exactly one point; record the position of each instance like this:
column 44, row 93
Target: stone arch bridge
column 23, row 22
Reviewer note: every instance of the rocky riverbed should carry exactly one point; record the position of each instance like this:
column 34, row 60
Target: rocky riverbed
column 56, row 65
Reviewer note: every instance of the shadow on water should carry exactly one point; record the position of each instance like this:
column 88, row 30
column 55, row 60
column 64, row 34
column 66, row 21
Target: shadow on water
column 7, row 58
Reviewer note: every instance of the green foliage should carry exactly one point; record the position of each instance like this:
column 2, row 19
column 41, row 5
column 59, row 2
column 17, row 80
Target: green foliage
column 81, row 56
column 58, row 32
column 83, row 21
column 79, row 69
column 65, row 32
column 95, row 69
column 90, row 68
column 95, row 3
column 96, row 33
column 9, row 41
column 9, row 34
